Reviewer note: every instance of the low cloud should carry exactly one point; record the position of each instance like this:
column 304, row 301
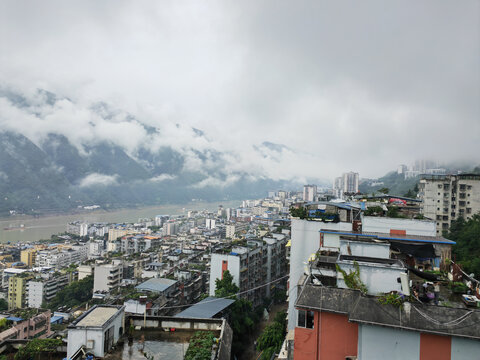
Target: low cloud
column 346, row 86
column 163, row 177
column 216, row 182
column 98, row 179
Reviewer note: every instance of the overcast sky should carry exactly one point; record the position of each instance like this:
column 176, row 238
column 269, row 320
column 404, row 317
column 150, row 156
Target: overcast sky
column 345, row 85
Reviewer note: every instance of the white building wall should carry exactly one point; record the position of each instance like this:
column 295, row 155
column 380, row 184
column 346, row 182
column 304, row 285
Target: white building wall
column 465, row 349
column 378, row 279
column 81, row 336
column 305, row 240
column 216, row 269
column 84, row 271
column 412, row 226
column 101, row 274
column 229, row 231
column 379, row 343
column 35, row 294
column 358, row 248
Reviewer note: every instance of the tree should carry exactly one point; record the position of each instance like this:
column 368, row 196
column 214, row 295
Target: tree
column 410, row 194
column 37, row 346
column 3, row 304
column 241, row 314
column 466, row 234
column 225, row 287
column 384, row 190
column 74, row 294
column 301, row 212
column 271, row 339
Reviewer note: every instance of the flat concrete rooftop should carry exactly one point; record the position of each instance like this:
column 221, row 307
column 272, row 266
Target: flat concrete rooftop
column 98, row 316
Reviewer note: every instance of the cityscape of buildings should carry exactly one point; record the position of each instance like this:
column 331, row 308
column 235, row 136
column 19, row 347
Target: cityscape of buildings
column 356, row 280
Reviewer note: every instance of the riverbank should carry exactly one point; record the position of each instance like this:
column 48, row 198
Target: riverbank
column 29, row 228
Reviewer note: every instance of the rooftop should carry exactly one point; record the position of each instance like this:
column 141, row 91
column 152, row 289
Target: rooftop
column 207, row 308
column 97, row 316
column 439, row 320
column 386, row 236
column 156, row 284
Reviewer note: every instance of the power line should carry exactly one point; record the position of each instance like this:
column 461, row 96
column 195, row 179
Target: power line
column 229, row 296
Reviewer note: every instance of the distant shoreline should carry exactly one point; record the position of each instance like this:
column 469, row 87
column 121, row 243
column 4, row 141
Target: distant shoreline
column 103, row 210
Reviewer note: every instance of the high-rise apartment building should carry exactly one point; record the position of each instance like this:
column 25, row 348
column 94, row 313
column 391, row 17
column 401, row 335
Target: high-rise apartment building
column 309, row 193
column 252, row 265
column 17, row 291
column 350, row 182
column 448, row 197
column 338, row 187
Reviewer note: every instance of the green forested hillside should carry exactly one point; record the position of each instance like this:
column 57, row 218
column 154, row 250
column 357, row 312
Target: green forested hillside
column 396, row 183
column 466, row 234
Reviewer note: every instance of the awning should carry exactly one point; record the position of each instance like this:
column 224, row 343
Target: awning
column 418, row 251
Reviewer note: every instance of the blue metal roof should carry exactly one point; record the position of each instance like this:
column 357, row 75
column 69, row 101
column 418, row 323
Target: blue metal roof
column 205, row 309
column 55, row 319
column 156, row 285
column 13, row 318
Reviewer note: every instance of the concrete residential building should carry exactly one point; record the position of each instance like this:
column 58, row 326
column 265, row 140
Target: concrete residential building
column 350, row 182
column 309, row 193
column 338, row 187
column 38, row 326
column 305, row 242
column 246, row 267
column 84, row 271
column 170, row 228
column 335, row 323
column 59, row 258
column 448, row 197
column 97, row 330
column 138, row 243
column 114, row 234
column 107, row 277
column 28, row 256
column 232, row 229
column 17, row 291
column 44, row 290
column 7, row 274
column 251, row 265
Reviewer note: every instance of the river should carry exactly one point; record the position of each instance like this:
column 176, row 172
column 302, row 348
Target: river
column 27, row 228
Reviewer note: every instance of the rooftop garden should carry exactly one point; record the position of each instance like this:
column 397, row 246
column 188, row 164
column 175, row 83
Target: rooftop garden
column 5, row 324
column 200, row 346
column 314, row 214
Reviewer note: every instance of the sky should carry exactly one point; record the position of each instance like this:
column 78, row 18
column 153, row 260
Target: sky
column 342, row 85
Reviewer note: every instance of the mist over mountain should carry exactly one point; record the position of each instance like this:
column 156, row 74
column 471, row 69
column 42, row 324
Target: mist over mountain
column 58, row 155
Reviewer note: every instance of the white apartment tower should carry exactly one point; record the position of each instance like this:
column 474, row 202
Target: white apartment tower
column 350, row 182
column 309, row 193
column 338, row 187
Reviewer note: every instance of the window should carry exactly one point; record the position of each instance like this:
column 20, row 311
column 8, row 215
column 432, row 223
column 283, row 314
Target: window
column 305, row 319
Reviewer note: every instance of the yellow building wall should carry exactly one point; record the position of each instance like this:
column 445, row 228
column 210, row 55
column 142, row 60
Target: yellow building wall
column 28, row 257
